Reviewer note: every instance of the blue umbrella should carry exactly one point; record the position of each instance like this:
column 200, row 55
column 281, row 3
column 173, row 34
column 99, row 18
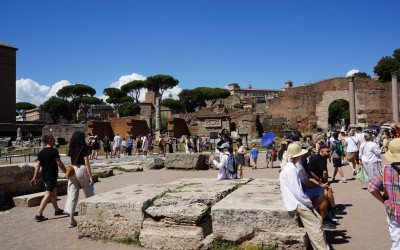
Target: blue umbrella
column 267, row 139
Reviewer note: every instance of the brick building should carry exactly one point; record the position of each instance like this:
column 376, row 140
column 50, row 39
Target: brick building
column 7, row 83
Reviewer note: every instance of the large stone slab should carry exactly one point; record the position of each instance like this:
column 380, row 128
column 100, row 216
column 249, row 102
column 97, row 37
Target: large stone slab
column 186, row 161
column 181, row 218
column 33, row 200
column 118, row 213
column 258, row 211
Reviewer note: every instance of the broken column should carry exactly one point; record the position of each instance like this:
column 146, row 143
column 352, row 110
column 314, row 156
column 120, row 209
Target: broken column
column 352, row 101
column 395, row 98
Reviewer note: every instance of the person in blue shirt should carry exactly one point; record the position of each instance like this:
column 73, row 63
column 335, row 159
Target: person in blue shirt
column 254, row 156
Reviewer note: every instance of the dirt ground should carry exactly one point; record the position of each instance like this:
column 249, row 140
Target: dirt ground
column 363, row 227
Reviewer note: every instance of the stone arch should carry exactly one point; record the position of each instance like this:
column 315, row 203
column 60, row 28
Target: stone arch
column 322, row 107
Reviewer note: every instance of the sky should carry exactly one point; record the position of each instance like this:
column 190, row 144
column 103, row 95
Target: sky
column 211, row 43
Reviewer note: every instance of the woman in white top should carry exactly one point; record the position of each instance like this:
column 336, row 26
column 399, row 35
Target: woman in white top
column 370, row 155
column 187, row 149
column 352, row 145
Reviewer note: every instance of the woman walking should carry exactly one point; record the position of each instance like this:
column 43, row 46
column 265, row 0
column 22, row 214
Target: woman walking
column 81, row 176
column 370, row 155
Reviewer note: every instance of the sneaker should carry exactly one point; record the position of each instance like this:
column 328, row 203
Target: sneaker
column 40, row 218
column 331, row 220
column 328, row 225
column 338, row 211
column 72, row 224
column 59, row 212
column 354, row 172
column 343, row 180
column 333, row 179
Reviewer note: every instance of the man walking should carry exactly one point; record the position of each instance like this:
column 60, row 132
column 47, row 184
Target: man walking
column 49, row 161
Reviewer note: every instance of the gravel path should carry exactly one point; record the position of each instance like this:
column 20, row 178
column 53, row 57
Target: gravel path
column 364, row 226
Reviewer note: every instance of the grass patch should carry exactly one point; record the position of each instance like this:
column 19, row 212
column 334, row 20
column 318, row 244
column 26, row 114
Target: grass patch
column 119, row 168
column 137, row 190
column 238, row 185
column 220, row 244
column 130, row 240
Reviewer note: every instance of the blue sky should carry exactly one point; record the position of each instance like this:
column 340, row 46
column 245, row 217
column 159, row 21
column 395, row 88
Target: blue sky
column 201, row 43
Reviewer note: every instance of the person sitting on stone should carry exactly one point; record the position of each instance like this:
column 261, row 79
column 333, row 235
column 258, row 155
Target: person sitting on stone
column 318, row 168
column 295, row 199
column 317, row 192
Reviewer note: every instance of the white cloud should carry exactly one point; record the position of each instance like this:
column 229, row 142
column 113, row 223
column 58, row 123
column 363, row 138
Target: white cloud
column 127, row 78
column 352, row 72
column 174, row 92
column 28, row 90
column 56, row 87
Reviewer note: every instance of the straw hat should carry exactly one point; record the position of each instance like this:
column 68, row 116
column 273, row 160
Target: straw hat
column 294, row 150
column 393, row 154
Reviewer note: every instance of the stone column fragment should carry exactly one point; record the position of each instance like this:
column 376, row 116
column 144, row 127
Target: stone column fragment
column 395, row 98
column 352, row 101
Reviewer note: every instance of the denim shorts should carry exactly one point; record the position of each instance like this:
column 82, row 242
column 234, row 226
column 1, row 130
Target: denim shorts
column 314, row 192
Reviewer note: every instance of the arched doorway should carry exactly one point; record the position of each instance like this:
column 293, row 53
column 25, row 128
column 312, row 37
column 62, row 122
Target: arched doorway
column 339, row 113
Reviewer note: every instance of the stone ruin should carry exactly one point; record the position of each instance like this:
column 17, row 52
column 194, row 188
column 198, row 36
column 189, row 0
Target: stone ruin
column 191, row 213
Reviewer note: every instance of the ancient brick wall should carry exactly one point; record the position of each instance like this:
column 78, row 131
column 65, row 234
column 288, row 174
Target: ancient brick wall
column 63, row 130
column 306, row 107
column 177, row 127
column 129, row 125
column 100, row 129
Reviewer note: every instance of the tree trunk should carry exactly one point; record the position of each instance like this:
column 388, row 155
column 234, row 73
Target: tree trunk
column 158, row 115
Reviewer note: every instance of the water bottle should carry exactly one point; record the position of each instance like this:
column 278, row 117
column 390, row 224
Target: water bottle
column 91, row 188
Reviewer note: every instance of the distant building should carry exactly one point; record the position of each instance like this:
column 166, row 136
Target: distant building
column 262, row 95
column 35, row 115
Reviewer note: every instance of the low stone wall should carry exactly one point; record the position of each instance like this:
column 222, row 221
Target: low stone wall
column 190, row 213
column 186, row 161
column 14, row 181
column 118, row 213
column 258, row 210
column 181, row 218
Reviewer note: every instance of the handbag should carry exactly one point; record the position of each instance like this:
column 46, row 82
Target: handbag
column 361, row 175
column 69, row 171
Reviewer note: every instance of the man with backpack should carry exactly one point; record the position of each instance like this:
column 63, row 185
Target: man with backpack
column 337, row 150
column 226, row 165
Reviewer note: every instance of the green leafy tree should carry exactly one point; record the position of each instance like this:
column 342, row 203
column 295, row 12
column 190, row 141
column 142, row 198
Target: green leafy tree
column 57, row 108
column 159, row 84
column 338, row 110
column 75, row 93
column 128, row 109
column 362, row 75
column 133, row 89
column 88, row 100
column 174, row 105
column 25, row 105
column 116, row 96
column 195, row 98
column 388, row 65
